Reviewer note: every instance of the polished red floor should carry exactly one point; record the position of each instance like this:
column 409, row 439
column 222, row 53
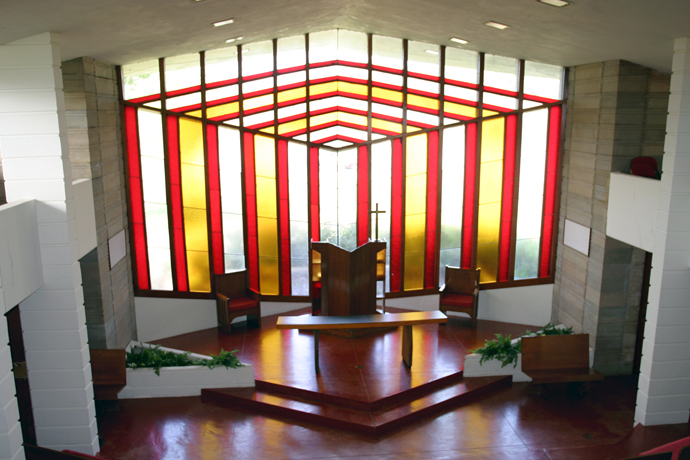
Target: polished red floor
column 513, row 424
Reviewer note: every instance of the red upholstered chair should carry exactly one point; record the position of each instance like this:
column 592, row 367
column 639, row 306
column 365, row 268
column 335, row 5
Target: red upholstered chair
column 460, row 293
column 644, row 166
column 234, row 298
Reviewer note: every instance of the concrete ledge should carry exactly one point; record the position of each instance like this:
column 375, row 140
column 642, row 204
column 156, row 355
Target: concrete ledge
column 182, row 381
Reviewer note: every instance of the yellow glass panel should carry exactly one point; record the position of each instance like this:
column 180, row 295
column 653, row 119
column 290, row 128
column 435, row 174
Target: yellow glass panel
column 322, row 88
column 269, row 130
column 323, row 119
column 195, row 230
column 386, row 125
column 291, row 94
column 460, row 109
column 268, row 275
column 354, row 119
column 412, row 129
column 492, row 139
column 352, row 88
column 195, row 113
column 223, row 109
column 191, row 142
column 315, row 265
column 414, row 271
column 491, row 182
column 266, row 197
column 265, row 156
column 415, row 230
column 488, row 113
column 416, row 155
column 487, row 260
column 381, row 265
column 488, row 225
column 193, row 186
column 415, row 194
column 259, row 101
column 421, row 101
column 291, row 126
column 387, row 94
column 198, row 270
column 268, row 237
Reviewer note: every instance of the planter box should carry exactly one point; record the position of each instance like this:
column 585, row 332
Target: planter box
column 493, row 367
column 182, row 381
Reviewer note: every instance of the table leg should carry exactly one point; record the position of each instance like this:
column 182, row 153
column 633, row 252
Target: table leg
column 316, row 350
column 407, row 345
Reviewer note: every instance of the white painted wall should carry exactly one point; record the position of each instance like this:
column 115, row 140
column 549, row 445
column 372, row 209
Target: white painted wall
column 631, row 215
column 188, row 315
column 20, row 257
column 85, row 215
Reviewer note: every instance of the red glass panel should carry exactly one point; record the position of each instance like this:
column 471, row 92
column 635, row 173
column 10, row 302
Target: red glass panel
column 508, row 198
column 314, row 193
column 284, row 226
column 214, row 200
column 468, row 217
column 179, row 256
column 431, row 210
column 136, row 199
column 396, row 215
column 552, row 165
column 362, row 195
column 250, row 193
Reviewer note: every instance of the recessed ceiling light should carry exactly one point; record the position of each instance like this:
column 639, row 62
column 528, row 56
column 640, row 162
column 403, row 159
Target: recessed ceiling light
column 459, row 40
column 557, row 3
column 497, row 25
column 230, row 40
column 432, row 52
column 223, row 23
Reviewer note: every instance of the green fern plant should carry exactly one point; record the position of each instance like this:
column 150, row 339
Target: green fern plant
column 155, row 358
column 501, row 349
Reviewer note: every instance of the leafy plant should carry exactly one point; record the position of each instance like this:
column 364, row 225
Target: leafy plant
column 155, row 358
column 502, row 348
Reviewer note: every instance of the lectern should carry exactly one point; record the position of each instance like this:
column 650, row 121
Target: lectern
column 344, row 282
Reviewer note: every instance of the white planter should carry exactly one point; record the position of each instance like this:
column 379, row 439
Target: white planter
column 182, row 381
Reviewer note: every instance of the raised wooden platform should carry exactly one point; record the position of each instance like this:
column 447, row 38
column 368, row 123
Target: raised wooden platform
column 372, row 418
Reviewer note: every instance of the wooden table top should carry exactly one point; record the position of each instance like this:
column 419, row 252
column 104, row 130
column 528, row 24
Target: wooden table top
column 360, row 321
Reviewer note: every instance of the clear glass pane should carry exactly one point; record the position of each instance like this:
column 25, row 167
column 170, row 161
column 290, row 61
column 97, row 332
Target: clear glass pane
column 347, row 187
column 462, row 65
column 157, row 234
column 221, row 64
column 233, row 234
column 230, row 164
column 291, row 52
column 182, row 72
column 387, row 52
column 299, row 240
column 257, row 58
column 352, row 46
column 500, row 72
column 150, row 134
column 297, row 176
column 526, row 258
column 543, row 80
column 141, row 79
column 234, row 262
column 450, row 257
column 381, row 156
column 328, row 188
column 153, row 180
column 423, row 58
column 300, row 277
column 323, row 46
column 347, row 236
column 160, row 269
column 505, row 102
column 183, row 101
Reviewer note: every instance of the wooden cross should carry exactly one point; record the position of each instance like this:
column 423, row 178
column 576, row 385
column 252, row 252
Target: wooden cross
column 377, row 212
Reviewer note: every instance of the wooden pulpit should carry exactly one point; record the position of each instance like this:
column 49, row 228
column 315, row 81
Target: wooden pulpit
column 344, row 282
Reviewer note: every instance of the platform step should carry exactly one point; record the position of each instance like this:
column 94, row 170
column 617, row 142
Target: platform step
column 369, row 418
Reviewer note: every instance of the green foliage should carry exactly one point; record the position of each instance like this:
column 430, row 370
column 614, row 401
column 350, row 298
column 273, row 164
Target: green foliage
column 503, row 350
column 154, row 357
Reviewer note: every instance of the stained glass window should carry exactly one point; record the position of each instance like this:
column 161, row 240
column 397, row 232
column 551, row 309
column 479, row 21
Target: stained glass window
column 240, row 156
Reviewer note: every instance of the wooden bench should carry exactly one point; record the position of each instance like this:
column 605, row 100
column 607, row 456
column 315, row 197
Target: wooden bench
column 109, row 371
column 406, row 320
column 558, row 358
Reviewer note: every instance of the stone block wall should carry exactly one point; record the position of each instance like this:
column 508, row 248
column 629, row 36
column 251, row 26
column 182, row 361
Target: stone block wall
column 616, row 111
column 95, row 144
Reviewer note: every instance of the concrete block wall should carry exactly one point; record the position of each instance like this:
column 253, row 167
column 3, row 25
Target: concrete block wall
column 95, row 145
column 36, row 166
column 613, row 116
column 664, row 385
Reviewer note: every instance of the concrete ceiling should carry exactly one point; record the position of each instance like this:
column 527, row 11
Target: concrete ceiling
column 128, row 31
